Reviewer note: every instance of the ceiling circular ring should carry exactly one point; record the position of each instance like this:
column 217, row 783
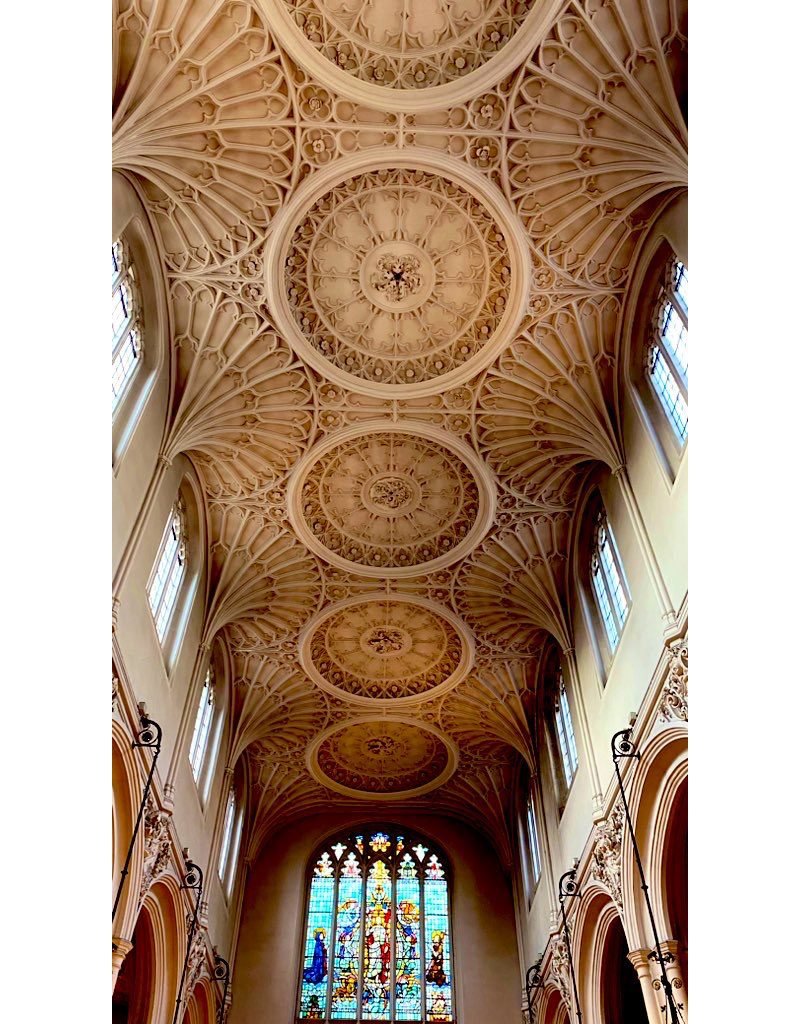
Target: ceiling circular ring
column 409, row 55
column 382, row 758
column 391, row 500
column 397, row 275
column 386, row 649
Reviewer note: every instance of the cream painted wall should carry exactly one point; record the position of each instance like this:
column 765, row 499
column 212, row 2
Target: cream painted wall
column 266, row 976
column 608, row 705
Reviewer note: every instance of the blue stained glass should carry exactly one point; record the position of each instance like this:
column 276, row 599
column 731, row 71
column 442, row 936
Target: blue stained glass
column 377, row 987
column 438, row 987
column 344, row 996
column 313, row 997
column 408, row 994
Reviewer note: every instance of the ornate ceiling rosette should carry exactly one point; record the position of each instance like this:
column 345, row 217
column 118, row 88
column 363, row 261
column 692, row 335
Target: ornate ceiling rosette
column 386, row 648
column 397, row 280
column 382, row 758
column 409, row 53
column 390, row 499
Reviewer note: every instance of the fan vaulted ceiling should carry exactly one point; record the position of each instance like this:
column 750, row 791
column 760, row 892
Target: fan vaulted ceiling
column 396, row 236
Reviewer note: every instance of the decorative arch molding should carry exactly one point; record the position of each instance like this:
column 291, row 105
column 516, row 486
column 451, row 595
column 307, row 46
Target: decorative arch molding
column 660, row 773
column 200, row 1007
column 131, row 222
column 164, row 908
column 451, row 172
column 554, row 1009
column 453, row 83
column 126, row 783
column 595, row 916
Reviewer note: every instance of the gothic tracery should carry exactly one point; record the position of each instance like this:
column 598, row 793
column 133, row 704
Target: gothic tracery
column 542, row 179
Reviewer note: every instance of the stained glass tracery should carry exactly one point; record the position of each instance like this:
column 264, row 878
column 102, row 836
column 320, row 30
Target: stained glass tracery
column 377, row 941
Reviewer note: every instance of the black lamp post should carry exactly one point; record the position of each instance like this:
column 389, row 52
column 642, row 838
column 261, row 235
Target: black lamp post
column 192, row 879
column 567, row 886
column 222, row 972
column 149, row 736
column 533, row 980
column 622, row 746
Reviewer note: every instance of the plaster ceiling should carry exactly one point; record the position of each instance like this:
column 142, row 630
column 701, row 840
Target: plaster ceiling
column 396, row 238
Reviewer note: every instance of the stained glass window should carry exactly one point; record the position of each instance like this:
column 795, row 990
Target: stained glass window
column 377, row 942
column 126, row 332
column 607, row 581
column 668, row 351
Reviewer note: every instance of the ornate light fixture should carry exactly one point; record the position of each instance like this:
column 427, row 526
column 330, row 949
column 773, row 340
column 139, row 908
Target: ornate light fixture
column 622, row 746
column 149, row 736
column 533, row 980
column 567, row 886
column 222, row 972
column 192, row 879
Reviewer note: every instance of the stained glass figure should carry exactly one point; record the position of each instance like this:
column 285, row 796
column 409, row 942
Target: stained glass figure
column 377, row 944
column 376, row 997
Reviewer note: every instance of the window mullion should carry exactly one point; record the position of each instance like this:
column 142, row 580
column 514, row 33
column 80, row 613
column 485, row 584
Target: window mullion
column 337, row 874
column 675, row 370
column 423, row 949
column 609, row 594
column 393, row 934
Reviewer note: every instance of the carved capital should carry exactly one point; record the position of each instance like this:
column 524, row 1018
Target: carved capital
column 156, row 845
column 559, row 969
column 674, row 703
column 607, row 855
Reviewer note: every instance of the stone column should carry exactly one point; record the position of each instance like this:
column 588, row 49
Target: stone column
column 642, row 966
column 669, row 950
column 119, row 950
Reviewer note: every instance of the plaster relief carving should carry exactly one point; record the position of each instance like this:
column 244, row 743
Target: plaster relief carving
column 382, row 758
column 398, row 276
column 155, row 828
column 408, row 44
column 675, row 698
column 607, row 854
column 388, row 503
column 386, row 648
column 559, row 970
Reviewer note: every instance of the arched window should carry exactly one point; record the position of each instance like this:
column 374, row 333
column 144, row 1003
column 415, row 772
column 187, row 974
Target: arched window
column 377, row 939
column 202, row 727
column 535, row 857
column 565, row 733
column 608, row 581
column 126, row 333
column 227, row 834
column 170, row 565
column 668, row 349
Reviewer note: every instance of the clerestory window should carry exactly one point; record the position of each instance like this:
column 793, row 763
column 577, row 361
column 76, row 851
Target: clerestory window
column 162, row 591
column 668, row 350
column 378, row 937
column 126, row 332
column 608, row 581
column 565, row 734
column 202, row 727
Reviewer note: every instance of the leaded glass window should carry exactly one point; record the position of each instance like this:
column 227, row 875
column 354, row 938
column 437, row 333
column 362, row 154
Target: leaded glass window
column 227, row 834
column 168, row 573
column 533, row 843
column 126, row 331
column 377, row 944
column 565, row 734
column 202, row 727
column 668, row 351
column 607, row 581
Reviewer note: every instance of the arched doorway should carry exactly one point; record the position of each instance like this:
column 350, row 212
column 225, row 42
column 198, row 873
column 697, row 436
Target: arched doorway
column 132, row 1001
column 621, row 998
column 676, row 877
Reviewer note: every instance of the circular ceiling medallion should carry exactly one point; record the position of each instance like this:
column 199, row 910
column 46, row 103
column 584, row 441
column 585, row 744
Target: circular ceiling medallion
column 395, row 649
column 377, row 51
column 396, row 280
column 382, row 758
column 385, row 499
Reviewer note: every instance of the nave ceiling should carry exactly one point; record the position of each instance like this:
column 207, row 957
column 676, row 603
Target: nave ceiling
column 396, row 238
